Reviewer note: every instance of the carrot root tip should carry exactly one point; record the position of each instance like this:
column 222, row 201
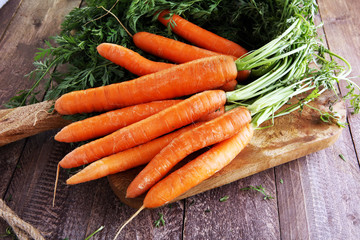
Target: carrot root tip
column 56, row 183
column 129, row 220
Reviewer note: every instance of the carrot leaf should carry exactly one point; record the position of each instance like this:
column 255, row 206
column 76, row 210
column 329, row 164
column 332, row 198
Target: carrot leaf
column 342, row 157
column 223, row 199
column 96, row 231
column 159, row 222
column 260, row 189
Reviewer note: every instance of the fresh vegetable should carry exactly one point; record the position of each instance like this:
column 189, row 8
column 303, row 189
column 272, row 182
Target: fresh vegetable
column 284, row 78
column 70, row 62
column 214, row 131
column 181, row 80
column 284, row 72
column 195, row 171
column 198, row 169
column 281, row 68
column 218, row 112
column 199, row 36
column 175, row 51
column 140, row 66
column 224, row 198
column 170, row 49
column 132, row 157
column 168, row 120
column 130, row 60
column 103, row 124
column 251, row 23
column 124, row 160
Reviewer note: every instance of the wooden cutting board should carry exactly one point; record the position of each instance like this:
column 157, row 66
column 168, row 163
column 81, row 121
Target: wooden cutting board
column 292, row 136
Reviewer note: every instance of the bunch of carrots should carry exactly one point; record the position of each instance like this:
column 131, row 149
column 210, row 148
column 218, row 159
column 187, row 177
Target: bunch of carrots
column 173, row 110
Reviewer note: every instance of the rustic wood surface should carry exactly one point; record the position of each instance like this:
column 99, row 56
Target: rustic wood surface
column 22, row 122
column 315, row 196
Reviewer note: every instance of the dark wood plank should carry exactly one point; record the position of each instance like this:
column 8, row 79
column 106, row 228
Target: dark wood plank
column 319, row 195
column 7, row 12
column 32, row 183
column 33, row 23
column 108, row 211
column 245, row 215
column 292, row 209
column 21, row 34
column 9, row 157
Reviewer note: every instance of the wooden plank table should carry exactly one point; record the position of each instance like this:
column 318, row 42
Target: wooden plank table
column 315, row 197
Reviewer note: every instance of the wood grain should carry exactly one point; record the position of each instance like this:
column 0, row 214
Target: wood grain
column 23, row 30
column 33, row 23
column 22, row 122
column 10, row 8
column 245, row 215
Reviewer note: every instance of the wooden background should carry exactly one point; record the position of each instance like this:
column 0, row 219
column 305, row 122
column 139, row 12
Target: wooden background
column 315, row 197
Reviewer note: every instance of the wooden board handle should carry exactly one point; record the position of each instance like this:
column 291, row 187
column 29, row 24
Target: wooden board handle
column 22, row 122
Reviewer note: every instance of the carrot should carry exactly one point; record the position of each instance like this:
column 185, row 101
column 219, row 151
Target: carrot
column 212, row 115
column 201, row 37
column 170, row 49
column 181, row 80
column 135, row 63
column 111, row 121
column 130, row 60
column 194, row 172
column 198, row 170
column 125, row 160
column 175, row 51
column 211, row 132
column 165, row 121
column 229, row 86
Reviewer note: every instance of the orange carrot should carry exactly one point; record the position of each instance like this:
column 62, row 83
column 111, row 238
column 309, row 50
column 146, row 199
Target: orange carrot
column 135, row 63
column 181, row 80
column 211, row 132
column 170, row 49
column 194, row 172
column 125, row 160
column 111, row 121
column 212, row 115
column 175, row 51
column 165, row 121
column 230, row 86
column 130, row 60
column 198, row 169
column 201, row 37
